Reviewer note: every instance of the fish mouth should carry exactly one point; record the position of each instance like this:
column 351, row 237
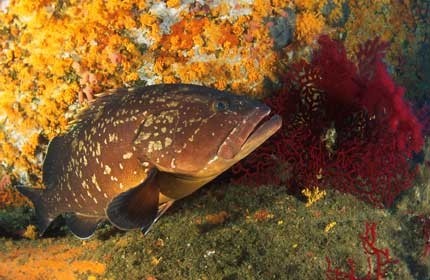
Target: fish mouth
column 253, row 131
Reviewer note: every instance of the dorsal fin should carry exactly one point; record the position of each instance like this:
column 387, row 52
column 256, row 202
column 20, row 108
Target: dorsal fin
column 54, row 159
column 113, row 97
column 95, row 107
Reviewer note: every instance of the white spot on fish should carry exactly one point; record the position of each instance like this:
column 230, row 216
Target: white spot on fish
column 107, row 169
column 169, row 118
column 81, row 145
column 154, row 146
column 143, row 136
column 167, row 141
column 172, row 104
column 213, row 159
column 85, row 185
column 113, row 137
column 127, row 155
column 149, row 121
column 94, row 180
column 98, row 150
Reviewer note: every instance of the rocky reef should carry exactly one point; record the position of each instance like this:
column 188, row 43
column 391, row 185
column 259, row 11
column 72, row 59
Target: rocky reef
column 295, row 213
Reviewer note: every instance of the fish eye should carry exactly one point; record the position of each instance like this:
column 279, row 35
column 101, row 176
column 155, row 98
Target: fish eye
column 220, row 105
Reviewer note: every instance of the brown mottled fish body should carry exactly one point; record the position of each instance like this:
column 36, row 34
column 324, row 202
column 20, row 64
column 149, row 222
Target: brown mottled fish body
column 134, row 151
column 96, row 160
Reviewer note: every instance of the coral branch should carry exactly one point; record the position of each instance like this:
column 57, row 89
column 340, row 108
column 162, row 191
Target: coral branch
column 377, row 269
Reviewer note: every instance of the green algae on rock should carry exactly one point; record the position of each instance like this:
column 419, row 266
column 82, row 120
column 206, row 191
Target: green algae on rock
column 291, row 241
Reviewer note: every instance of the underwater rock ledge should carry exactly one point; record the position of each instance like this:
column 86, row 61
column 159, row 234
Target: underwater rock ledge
column 236, row 232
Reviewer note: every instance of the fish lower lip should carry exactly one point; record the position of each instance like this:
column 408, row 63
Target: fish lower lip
column 250, row 136
column 238, row 136
column 262, row 132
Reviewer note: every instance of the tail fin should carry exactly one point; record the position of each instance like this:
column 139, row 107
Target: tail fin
column 42, row 215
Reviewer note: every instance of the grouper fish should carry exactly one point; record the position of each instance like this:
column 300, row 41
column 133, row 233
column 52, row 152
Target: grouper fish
column 133, row 152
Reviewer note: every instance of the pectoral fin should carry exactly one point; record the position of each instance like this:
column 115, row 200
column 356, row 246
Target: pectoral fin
column 83, row 226
column 137, row 207
column 161, row 210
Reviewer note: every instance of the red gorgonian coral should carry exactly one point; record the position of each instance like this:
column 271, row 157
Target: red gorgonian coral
column 379, row 260
column 346, row 126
